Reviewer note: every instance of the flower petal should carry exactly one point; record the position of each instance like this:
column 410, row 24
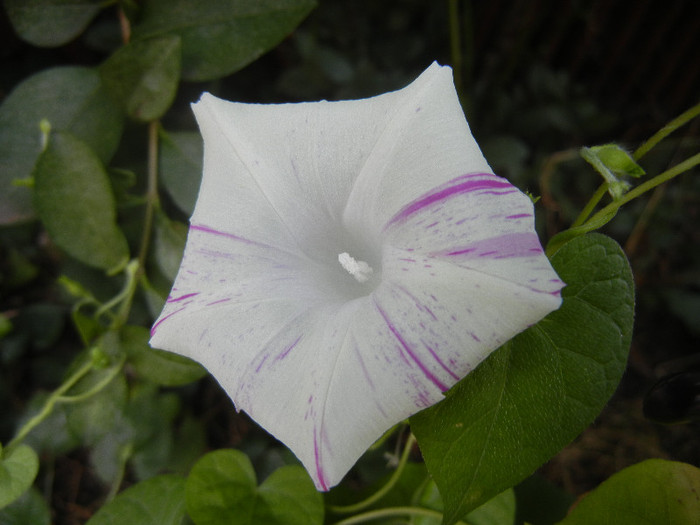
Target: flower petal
column 426, row 143
column 348, row 262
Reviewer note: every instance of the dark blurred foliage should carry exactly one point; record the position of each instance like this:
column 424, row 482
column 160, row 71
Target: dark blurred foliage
column 537, row 78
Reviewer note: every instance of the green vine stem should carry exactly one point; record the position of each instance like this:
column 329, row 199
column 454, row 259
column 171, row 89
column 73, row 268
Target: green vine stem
column 107, row 379
column 608, row 212
column 348, row 509
column 391, row 512
column 54, row 398
column 590, row 206
column 669, row 128
column 57, row 396
column 151, row 193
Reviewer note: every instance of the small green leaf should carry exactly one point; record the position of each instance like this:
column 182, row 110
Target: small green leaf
column 143, row 76
column 219, row 38
column 181, row 167
column 222, row 490
column 30, row 508
column 613, row 163
column 164, row 368
column 73, row 198
column 653, row 492
column 531, row 397
column 156, row 501
column 18, row 468
column 50, row 23
column 71, row 99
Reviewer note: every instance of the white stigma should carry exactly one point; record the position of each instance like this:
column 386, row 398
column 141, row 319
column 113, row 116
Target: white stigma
column 360, row 270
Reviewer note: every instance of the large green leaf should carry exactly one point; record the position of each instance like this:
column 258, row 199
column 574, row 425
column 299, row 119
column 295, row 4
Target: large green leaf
column 219, row 38
column 51, row 23
column 143, row 76
column 180, row 166
column 18, row 468
column 654, row 492
column 222, row 490
column 156, row 501
column 74, row 199
column 536, row 393
column 70, row 99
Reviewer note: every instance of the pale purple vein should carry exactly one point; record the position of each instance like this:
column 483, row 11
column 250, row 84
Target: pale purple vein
column 457, row 186
column 443, row 387
column 207, row 229
column 317, row 458
column 286, row 351
column 501, row 247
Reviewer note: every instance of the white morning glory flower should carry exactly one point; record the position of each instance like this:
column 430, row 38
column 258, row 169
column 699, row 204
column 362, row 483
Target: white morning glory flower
column 348, row 262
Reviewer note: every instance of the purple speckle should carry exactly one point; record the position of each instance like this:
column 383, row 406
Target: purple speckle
column 501, row 247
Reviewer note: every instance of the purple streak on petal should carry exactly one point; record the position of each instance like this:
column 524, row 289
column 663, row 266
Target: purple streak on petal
column 443, row 365
column 207, row 229
column 181, row 298
column 409, row 351
column 364, row 368
column 287, row 350
column 319, row 470
column 153, row 328
column 456, row 186
column 219, row 301
column 501, row 247
column 518, row 216
column 257, row 369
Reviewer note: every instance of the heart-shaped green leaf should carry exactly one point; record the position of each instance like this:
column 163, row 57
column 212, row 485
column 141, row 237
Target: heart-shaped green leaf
column 222, row 490
column 71, row 99
column 156, row 501
column 654, row 492
column 536, row 393
column 50, row 23
column 143, row 76
column 221, row 37
column 18, row 468
column 74, row 200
